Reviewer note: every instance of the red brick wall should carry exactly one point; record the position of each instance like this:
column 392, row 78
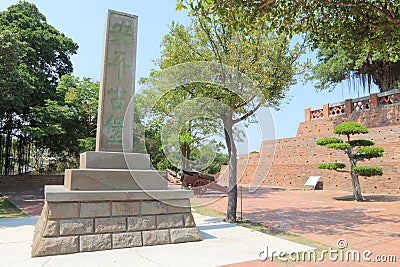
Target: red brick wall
column 295, row 159
column 29, row 181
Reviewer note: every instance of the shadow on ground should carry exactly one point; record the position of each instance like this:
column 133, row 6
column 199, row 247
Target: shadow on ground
column 320, row 221
column 372, row 198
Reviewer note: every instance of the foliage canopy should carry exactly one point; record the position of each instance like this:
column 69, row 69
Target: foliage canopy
column 355, row 39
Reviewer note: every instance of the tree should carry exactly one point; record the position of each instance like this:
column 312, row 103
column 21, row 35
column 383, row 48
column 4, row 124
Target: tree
column 67, row 127
column 189, row 137
column 356, row 150
column 33, row 56
column 364, row 34
column 14, row 77
column 47, row 51
column 261, row 55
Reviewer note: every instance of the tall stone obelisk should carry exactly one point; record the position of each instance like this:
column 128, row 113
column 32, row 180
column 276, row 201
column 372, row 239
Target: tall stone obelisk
column 117, row 84
column 114, row 200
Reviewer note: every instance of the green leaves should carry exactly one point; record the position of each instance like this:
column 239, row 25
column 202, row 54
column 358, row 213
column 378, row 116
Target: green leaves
column 333, row 142
column 340, row 146
column 368, row 170
column 328, row 140
column 369, row 152
column 350, row 128
column 46, row 51
column 331, row 166
column 356, row 40
column 354, row 143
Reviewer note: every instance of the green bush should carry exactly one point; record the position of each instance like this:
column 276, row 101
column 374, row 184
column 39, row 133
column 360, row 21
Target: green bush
column 328, row 140
column 331, row 166
column 368, row 170
column 354, row 143
column 350, row 128
column 341, row 146
column 369, row 152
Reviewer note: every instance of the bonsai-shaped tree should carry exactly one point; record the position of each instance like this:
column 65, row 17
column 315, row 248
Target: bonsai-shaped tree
column 356, row 150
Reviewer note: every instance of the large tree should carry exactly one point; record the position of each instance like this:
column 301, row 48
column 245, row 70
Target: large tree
column 33, row 57
column 67, row 127
column 261, row 55
column 190, row 135
column 364, row 35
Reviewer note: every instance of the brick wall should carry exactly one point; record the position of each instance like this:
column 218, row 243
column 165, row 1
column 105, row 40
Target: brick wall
column 29, row 181
column 290, row 161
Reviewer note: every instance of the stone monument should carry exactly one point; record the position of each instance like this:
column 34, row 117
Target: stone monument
column 115, row 200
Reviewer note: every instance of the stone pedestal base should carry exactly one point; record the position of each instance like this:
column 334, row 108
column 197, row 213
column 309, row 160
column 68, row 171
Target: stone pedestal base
column 80, row 221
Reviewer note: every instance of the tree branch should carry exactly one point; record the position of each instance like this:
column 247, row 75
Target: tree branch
column 248, row 114
column 342, row 171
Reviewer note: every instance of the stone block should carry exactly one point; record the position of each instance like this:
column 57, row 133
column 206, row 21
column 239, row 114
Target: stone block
column 181, row 235
column 156, row 237
column 52, row 228
column 95, row 242
column 41, row 223
column 48, row 246
column 115, row 179
column 178, row 205
column 58, row 193
column 76, row 226
column 140, row 223
column 110, row 225
column 114, row 160
column 188, row 220
column 128, row 208
column 127, row 240
column 169, row 221
column 60, row 210
column 153, row 207
column 95, row 209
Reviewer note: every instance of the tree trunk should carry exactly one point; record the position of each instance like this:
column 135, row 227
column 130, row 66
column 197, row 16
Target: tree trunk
column 356, row 187
column 7, row 156
column 232, row 152
column 354, row 176
column 384, row 74
column 185, row 155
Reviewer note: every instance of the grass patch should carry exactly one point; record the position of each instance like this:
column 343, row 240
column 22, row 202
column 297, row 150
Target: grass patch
column 281, row 234
column 208, row 212
column 8, row 210
column 319, row 247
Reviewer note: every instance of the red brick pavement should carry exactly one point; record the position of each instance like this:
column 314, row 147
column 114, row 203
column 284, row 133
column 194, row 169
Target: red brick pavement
column 372, row 225
column 29, row 200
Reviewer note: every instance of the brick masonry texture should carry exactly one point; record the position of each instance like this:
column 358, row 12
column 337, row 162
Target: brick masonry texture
column 138, row 223
column 76, row 225
column 95, row 209
column 297, row 158
column 30, row 181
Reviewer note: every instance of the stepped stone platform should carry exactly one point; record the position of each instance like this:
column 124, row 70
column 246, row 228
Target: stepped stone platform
column 89, row 213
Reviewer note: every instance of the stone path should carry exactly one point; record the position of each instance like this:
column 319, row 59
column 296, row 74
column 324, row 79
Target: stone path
column 373, row 225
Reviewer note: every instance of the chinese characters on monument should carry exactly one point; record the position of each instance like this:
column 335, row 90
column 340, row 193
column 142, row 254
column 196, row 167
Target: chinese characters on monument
column 117, row 85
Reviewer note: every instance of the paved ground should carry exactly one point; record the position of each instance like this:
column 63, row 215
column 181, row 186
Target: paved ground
column 368, row 226
column 29, row 201
column 223, row 243
column 373, row 225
